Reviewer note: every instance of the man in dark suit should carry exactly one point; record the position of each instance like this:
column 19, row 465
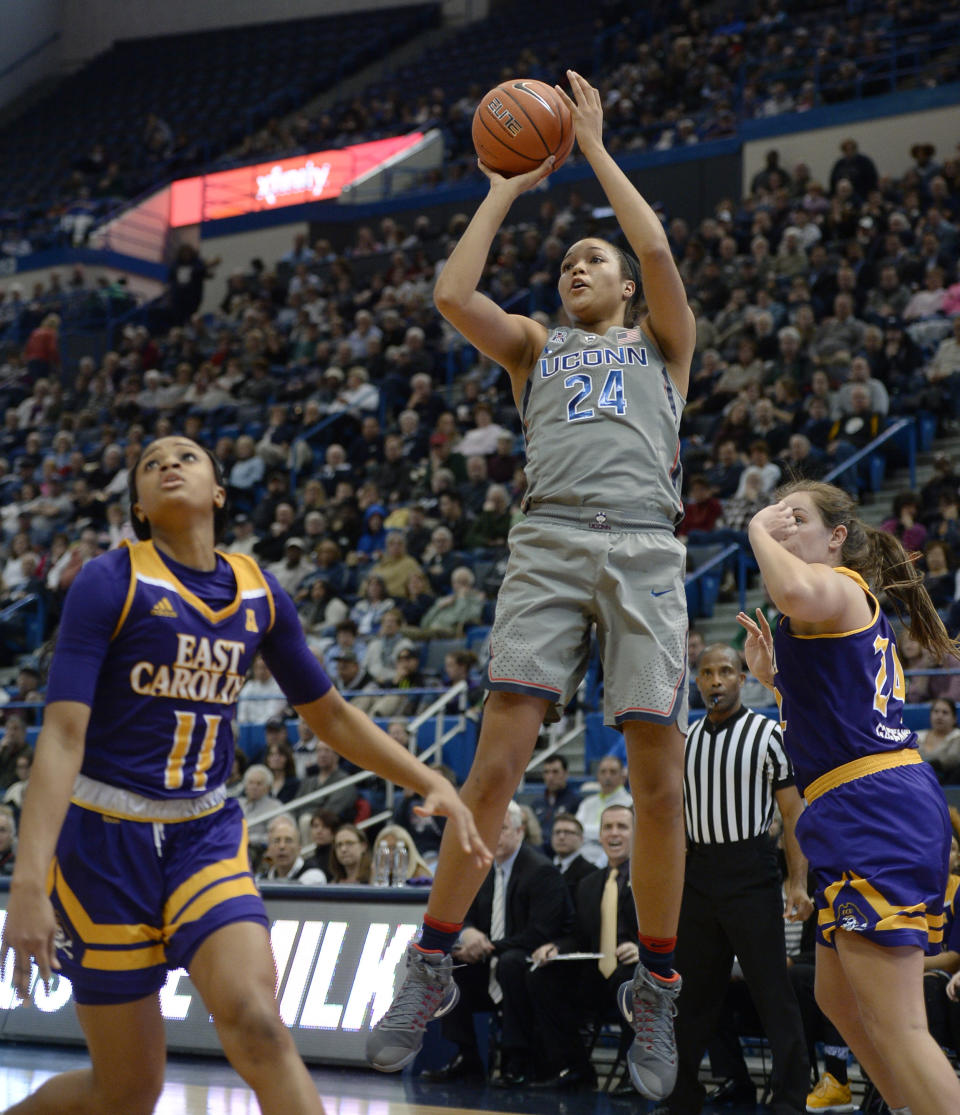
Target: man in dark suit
column 563, row 993
column 522, row 903
column 566, row 840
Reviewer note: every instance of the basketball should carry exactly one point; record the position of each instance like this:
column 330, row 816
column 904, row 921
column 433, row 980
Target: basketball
column 518, row 124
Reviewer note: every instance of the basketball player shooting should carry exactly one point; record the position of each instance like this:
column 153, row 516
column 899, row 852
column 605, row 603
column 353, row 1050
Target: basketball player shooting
column 600, row 402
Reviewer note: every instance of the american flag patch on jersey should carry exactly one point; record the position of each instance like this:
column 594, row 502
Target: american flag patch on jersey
column 628, row 335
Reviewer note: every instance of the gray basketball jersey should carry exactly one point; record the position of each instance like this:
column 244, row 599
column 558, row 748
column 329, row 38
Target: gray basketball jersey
column 601, row 418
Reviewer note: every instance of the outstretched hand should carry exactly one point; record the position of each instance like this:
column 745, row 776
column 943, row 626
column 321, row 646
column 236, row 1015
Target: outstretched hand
column 586, row 108
column 444, row 801
column 758, row 648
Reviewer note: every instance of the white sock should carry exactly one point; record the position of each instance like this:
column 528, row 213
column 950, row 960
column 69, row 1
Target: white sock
column 900, row 1111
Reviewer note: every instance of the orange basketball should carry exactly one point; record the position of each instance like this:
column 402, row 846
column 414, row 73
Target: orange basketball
column 520, row 123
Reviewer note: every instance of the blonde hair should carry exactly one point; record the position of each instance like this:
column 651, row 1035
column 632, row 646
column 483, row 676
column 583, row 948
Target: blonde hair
column 416, row 865
column 532, row 832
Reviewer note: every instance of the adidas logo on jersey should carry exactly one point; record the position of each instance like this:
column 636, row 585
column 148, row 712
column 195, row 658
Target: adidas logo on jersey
column 164, row 608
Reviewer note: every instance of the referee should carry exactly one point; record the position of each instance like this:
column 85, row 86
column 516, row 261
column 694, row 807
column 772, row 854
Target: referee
column 735, row 769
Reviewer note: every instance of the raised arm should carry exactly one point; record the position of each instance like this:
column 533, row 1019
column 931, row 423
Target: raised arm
column 810, row 593
column 30, row 925
column 512, row 340
column 670, row 320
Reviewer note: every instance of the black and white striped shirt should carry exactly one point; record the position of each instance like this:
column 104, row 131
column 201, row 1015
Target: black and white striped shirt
column 731, row 772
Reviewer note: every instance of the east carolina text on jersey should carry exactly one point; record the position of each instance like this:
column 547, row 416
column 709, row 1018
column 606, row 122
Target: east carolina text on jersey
column 161, row 722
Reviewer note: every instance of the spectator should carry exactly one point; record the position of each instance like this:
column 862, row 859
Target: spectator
column 286, row 864
column 857, row 168
column 904, row 521
column 344, row 639
column 295, row 567
column 350, row 860
column 373, row 540
column 701, row 512
column 940, row 743
column 351, row 676
column 612, row 776
column 566, row 839
column 13, row 744
column 255, row 801
column 395, row 565
column 406, row 675
column 261, row 697
column 328, row 773
column 42, row 350
column 279, row 760
column 939, row 578
column 860, row 374
column 485, row 434
column 8, row 841
column 372, row 605
column 557, row 797
column 459, row 665
column 186, row 277
column 14, row 794
column 945, row 364
column 449, row 615
column 320, row 610
column 928, row 302
column 490, row 527
column 322, row 825
column 382, row 651
column 395, row 835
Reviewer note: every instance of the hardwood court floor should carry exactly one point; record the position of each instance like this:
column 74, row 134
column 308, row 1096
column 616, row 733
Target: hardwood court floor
column 208, row 1086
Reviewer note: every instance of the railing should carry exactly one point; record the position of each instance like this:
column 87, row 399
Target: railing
column 901, row 424
column 34, row 623
column 434, row 751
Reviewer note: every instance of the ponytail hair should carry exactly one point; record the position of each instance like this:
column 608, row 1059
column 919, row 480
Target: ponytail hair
column 883, row 563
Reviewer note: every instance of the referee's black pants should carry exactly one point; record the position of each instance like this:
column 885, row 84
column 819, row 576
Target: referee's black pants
column 732, row 906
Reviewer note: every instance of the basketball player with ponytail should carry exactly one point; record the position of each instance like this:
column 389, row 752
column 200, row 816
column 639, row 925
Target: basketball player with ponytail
column 876, row 829
column 600, row 400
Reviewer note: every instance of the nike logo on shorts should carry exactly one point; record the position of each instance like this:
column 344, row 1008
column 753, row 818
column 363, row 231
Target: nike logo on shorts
column 662, row 592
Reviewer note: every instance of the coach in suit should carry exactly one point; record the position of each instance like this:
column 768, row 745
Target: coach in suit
column 522, row 903
column 566, row 839
column 605, row 922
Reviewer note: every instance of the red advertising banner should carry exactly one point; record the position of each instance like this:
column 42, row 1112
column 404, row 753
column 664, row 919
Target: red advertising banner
column 250, row 189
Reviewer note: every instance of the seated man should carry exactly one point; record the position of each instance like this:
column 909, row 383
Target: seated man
column 605, row 923
column 566, row 839
column 522, row 904
column 286, row 865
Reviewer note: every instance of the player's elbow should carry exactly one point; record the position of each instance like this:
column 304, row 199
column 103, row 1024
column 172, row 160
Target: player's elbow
column 656, row 253
column 448, row 299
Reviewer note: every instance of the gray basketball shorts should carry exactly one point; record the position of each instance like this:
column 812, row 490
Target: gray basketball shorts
column 560, row 580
